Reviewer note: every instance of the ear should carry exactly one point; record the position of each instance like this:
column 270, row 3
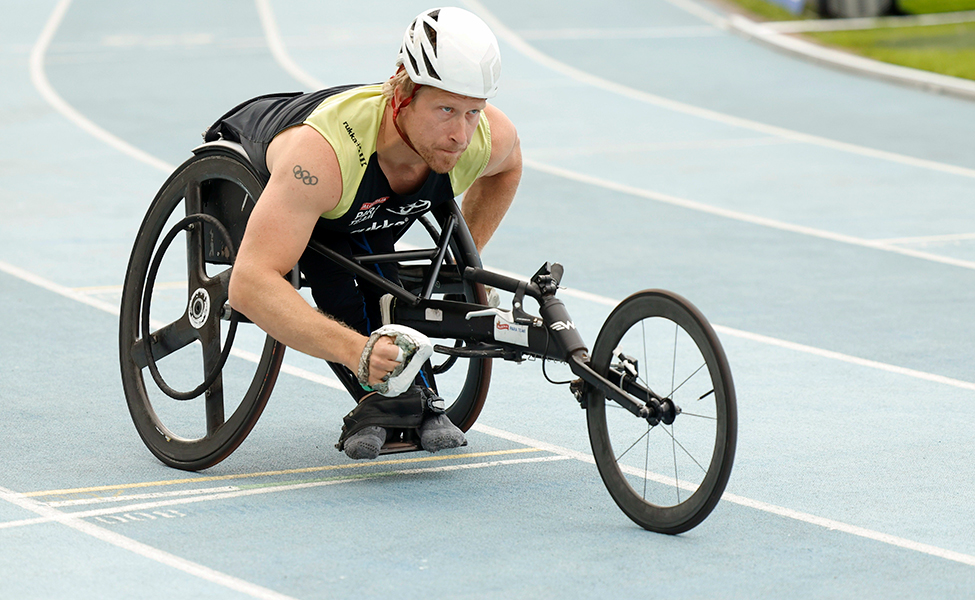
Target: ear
column 398, row 96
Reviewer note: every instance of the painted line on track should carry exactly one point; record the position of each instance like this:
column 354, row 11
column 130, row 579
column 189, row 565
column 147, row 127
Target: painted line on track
column 280, row 54
column 745, row 217
column 40, row 81
column 126, row 543
column 788, row 513
column 253, row 490
column 504, row 32
column 298, row 471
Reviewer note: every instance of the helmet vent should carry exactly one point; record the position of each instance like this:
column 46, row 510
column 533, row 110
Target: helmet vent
column 412, row 61
column 432, row 36
column 433, row 72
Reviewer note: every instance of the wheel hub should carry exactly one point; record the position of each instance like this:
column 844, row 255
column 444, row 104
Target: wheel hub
column 199, row 308
column 668, row 411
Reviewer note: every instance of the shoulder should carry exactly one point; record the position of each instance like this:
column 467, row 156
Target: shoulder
column 505, row 146
column 304, row 167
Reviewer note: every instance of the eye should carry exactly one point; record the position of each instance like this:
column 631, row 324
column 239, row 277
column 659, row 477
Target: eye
column 447, row 109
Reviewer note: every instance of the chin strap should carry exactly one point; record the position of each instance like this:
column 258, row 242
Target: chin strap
column 398, row 107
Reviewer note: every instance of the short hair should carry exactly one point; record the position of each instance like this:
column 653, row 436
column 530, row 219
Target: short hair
column 401, row 80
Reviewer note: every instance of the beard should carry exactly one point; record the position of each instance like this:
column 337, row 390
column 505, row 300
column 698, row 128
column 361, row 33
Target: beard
column 438, row 161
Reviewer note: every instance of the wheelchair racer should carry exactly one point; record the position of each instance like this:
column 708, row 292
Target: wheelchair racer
column 353, row 165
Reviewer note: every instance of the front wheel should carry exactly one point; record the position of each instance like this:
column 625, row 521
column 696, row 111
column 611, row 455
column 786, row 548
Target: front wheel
column 665, row 477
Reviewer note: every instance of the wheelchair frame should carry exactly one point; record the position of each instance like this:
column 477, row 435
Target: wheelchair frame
column 216, row 215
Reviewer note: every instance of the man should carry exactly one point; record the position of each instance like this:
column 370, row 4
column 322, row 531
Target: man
column 351, row 165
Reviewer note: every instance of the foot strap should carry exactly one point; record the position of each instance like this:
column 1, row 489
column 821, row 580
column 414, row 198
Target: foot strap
column 406, row 411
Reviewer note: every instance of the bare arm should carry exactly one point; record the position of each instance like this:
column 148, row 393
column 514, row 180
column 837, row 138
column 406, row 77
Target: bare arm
column 487, row 200
column 277, row 233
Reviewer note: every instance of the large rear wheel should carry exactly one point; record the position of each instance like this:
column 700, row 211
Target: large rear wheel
column 196, row 376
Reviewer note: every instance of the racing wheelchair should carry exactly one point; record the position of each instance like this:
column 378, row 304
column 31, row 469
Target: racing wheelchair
column 656, row 386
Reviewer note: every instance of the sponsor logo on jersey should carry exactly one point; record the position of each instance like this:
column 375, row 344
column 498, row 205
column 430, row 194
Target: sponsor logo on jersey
column 376, row 226
column 409, row 209
column 362, row 158
column 369, row 205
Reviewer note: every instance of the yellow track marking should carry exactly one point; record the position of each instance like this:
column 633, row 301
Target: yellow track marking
column 129, row 486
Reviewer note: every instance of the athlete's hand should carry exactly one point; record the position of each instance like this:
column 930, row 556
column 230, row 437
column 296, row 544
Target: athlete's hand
column 383, row 360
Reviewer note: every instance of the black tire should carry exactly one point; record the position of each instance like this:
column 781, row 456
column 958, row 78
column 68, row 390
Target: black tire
column 195, row 429
column 666, row 478
column 462, row 382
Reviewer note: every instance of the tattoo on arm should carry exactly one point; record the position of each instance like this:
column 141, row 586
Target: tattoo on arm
column 305, row 177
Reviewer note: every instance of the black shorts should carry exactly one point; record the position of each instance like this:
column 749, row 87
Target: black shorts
column 338, row 292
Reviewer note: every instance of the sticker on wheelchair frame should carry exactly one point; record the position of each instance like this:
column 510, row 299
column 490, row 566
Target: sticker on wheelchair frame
column 512, row 333
column 199, row 308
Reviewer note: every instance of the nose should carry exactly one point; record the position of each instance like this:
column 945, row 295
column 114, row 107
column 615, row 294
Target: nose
column 457, row 132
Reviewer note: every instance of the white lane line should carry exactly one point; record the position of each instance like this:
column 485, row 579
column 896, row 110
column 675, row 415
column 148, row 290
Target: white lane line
column 147, row 496
column 853, row 360
column 780, row 343
column 502, row 31
column 580, row 294
column 665, row 103
column 931, row 239
column 131, row 545
column 777, row 510
column 745, row 217
column 255, row 491
column 877, row 536
column 281, row 56
column 618, row 33
column 629, row 148
column 39, row 78
column 58, row 289
column 114, row 310
column 278, row 51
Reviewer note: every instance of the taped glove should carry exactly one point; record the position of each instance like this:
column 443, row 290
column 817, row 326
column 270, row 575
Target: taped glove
column 414, row 350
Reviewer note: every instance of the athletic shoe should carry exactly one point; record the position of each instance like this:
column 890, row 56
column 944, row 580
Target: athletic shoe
column 365, row 443
column 438, row 433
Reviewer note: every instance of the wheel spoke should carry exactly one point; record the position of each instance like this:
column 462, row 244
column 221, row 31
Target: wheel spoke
column 195, row 268
column 689, row 414
column 193, row 197
column 673, row 447
column 210, row 336
column 689, row 377
column 164, row 341
column 681, row 446
column 214, row 406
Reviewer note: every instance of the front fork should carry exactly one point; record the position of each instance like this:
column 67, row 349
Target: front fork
column 622, row 384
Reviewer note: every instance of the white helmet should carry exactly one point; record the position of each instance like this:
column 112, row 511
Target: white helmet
column 454, row 50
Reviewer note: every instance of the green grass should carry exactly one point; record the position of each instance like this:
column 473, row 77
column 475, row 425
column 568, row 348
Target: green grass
column 945, row 49
column 771, row 12
column 922, row 7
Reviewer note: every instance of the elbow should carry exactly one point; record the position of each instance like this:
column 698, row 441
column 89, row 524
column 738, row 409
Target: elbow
column 237, row 291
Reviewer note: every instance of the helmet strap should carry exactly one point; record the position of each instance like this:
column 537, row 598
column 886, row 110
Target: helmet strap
column 396, row 110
